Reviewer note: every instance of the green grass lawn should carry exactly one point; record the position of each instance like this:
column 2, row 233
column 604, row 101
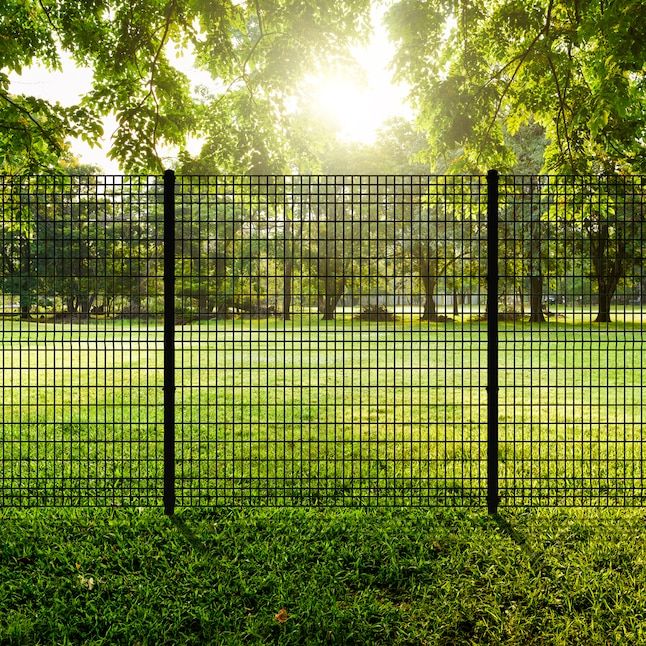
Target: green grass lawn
column 306, row 412
column 311, row 414
column 342, row 576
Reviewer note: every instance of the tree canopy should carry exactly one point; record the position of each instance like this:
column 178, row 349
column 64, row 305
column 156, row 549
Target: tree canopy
column 482, row 74
column 255, row 50
column 481, row 70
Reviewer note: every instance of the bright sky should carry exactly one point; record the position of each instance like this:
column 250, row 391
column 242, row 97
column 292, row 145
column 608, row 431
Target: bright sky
column 358, row 104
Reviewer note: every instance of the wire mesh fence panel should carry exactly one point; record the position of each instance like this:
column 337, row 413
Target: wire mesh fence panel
column 80, row 341
column 330, row 340
column 572, row 286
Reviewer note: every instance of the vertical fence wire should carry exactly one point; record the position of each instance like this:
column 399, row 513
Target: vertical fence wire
column 330, row 339
column 81, row 370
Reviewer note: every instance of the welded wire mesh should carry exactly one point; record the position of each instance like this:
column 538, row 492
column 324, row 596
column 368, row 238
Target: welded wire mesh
column 330, row 346
column 571, row 340
column 329, row 338
column 80, row 341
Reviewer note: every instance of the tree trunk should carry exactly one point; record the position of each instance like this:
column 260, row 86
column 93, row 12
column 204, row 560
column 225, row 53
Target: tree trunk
column 333, row 292
column 222, row 310
column 535, row 268
column 142, row 291
column 85, row 304
column 536, row 300
column 203, row 304
column 287, row 293
column 288, row 262
column 25, row 263
column 287, row 289
column 328, row 308
column 603, row 313
column 429, row 281
column 430, row 309
column 222, row 302
column 521, row 296
column 134, row 305
column 71, row 302
column 608, row 270
column 456, row 309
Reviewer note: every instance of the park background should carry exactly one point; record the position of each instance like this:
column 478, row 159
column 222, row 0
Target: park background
column 271, row 89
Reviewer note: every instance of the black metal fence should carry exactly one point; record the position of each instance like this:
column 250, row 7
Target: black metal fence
column 573, row 287
column 322, row 340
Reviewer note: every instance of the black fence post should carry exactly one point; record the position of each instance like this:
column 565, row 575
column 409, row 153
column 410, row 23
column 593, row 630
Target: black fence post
column 492, row 342
column 169, row 342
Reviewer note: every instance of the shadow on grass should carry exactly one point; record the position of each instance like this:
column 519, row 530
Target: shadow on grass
column 506, row 527
column 187, row 533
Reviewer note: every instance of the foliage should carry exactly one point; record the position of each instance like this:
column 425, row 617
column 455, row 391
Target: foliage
column 71, row 243
column 480, row 71
column 255, row 51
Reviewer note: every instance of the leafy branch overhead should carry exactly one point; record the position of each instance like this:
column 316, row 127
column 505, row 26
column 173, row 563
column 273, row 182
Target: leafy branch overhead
column 481, row 76
column 257, row 49
column 479, row 71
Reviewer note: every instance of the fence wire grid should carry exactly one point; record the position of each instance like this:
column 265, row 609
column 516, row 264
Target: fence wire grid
column 322, row 340
column 573, row 287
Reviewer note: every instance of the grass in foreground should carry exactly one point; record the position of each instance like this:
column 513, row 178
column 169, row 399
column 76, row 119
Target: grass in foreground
column 345, row 577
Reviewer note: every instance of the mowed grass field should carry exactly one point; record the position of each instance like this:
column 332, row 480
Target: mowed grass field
column 306, row 412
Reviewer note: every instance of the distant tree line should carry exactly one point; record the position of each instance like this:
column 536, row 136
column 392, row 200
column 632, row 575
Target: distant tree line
column 76, row 246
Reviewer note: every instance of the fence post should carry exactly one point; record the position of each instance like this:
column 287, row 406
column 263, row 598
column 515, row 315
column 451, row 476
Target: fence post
column 492, row 341
column 169, row 342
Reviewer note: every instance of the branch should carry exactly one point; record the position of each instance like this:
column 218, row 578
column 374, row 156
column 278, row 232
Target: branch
column 508, row 84
column 243, row 76
column 254, row 47
column 562, row 107
column 260, row 27
column 521, row 59
column 41, row 128
column 463, row 256
column 153, row 71
column 49, row 18
column 504, row 68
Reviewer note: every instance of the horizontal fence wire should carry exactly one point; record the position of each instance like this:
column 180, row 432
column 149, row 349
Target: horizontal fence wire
column 330, row 348
column 330, row 341
column 81, row 341
column 571, row 351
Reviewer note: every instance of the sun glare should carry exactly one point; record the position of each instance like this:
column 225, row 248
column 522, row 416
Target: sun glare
column 360, row 102
column 349, row 108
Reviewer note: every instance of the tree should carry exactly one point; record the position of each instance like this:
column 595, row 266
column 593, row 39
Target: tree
column 327, row 249
column 438, row 229
column 613, row 220
column 366, row 215
column 479, row 70
column 17, row 265
column 74, row 237
column 254, row 50
column 528, row 236
column 134, row 262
